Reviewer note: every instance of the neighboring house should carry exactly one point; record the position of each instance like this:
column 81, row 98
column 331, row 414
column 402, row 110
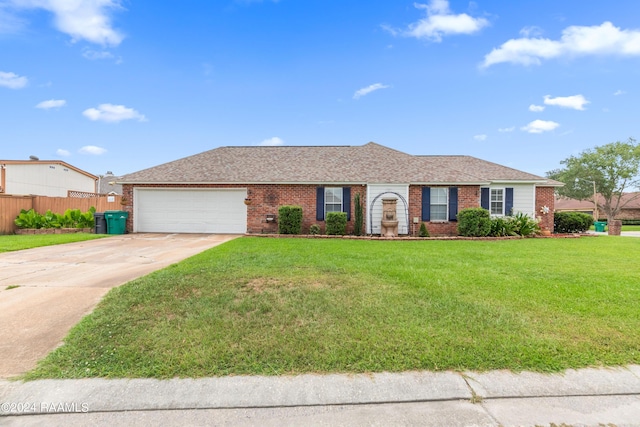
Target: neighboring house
column 108, row 184
column 239, row 189
column 53, row 178
column 630, row 203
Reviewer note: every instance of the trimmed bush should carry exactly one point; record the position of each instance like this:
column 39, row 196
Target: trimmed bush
column 572, row 222
column 423, row 231
column 474, row 222
column 336, row 223
column 289, row 219
column 314, row 229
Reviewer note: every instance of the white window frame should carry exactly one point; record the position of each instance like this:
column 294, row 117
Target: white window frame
column 327, row 192
column 444, row 190
column 503, row 194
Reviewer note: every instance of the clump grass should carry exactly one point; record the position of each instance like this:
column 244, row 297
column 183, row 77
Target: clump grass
column 292, row 306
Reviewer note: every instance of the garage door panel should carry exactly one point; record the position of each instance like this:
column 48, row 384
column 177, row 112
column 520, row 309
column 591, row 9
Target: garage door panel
column 190, row 211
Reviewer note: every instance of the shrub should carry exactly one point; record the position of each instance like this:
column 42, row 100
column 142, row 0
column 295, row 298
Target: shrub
column 501, row 227
column 289, row 219
column 359, row 217
column 524, row 225
column 474, row 222
column 572, row 222
column 72, row 218
column 314, row 229
column 423, row 231
column 29, row 219
column 336, row 223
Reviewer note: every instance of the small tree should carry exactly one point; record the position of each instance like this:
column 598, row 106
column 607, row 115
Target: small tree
column 613, row 167
column 423, row 230
column 359, row 216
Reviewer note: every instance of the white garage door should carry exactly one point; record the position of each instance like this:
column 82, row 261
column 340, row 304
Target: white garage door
column 190, row 211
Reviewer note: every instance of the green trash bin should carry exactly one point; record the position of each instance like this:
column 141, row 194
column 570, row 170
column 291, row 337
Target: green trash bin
column 116, row 221
column 599, row 226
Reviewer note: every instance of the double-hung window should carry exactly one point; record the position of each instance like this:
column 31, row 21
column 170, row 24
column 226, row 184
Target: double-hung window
column 438, row 203
column 497, row 201
column 332, row 199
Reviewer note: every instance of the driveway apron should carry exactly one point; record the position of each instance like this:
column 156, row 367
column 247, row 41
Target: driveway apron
column 58, row 285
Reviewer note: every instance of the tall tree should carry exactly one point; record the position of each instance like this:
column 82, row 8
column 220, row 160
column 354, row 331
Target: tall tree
column 614, row 168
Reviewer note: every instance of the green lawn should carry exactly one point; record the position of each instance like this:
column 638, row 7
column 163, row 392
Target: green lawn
column 290, row 306
column 631, row 228
column 27, row 241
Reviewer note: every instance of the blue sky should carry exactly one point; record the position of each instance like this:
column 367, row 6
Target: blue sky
column 109, row 85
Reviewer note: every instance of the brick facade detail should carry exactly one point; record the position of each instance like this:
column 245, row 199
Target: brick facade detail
column 545, row 197
column 264, row 200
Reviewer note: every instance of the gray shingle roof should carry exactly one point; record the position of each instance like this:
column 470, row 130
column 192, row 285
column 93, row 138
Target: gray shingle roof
column 368, row 163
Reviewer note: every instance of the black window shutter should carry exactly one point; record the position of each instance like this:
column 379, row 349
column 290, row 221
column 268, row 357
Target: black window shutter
column 508, row 201
column 426, row 203
column 320, row 204
column 346, row 201
column 484, row 198
column 453, row 203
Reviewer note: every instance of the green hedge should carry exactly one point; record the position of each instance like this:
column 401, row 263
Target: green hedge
column 289, row 219
column 336, row 223
column 474, row 222
column 572, row 222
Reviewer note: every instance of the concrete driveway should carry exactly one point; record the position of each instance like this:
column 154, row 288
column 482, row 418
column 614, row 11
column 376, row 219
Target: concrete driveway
column 58, row 285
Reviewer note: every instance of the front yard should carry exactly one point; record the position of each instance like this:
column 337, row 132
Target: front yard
column 289, row 306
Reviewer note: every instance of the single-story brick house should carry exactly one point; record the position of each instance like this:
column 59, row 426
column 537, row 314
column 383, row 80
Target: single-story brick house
column 239, row 189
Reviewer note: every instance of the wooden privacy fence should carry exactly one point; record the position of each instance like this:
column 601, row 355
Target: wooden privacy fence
column 10, row 206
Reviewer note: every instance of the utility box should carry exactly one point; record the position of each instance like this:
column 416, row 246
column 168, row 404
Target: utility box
column 116, row 221
column 101, row 223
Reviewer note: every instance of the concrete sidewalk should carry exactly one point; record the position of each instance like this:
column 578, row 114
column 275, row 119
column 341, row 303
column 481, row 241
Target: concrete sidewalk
column 586, row 397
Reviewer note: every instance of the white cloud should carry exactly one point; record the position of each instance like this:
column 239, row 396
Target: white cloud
column 576, row 102
column 619, row 92
column 97, row 54
column 113, row 113
column 509, row 129
column 92, row 149
column 62, row 152
column 367, row 90
column 52, row 103
column 480, row 137
column 531, row 31
column 272, row 142
column 440, row 22
column 603, row 39
column 12, row 80
column 539, row 126
column 536, row 108
column 88, row 20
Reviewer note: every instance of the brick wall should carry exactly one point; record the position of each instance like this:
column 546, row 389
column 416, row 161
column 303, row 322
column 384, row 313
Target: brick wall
column 545, row 197
column 468, row 197
column 265, row 200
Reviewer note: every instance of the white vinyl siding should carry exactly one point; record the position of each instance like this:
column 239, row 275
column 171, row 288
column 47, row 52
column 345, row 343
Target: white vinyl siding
column 190, row 210
column 373, row 190
column 42, row 179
